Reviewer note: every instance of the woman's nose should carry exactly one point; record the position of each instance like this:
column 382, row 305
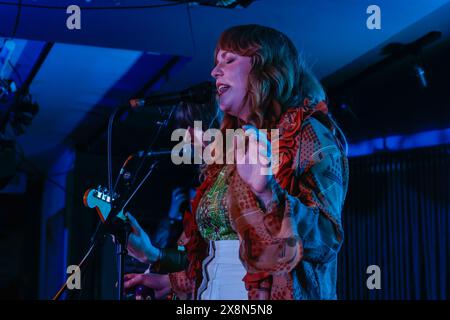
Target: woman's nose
column 216, row 71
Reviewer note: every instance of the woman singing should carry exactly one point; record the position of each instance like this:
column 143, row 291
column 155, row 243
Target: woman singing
column 254, row 236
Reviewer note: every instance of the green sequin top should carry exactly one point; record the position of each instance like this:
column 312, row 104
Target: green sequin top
column 212, row 212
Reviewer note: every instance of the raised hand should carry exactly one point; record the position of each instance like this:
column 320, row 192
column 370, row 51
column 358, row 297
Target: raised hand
column 179, row 196
column 254, row 163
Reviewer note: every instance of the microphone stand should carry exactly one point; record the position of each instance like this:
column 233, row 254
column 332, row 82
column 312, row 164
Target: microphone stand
column 120, row 230
column 117, row 227
column 113, row 224
column 123, row 228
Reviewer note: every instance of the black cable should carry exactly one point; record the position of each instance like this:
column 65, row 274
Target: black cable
column 150, row 6
column 80, row 266
column 150, row 170
column 191, row 28
column 94, row 243
column 16, row 23
column 152, row 142
column 109, row 149
column 111, row 188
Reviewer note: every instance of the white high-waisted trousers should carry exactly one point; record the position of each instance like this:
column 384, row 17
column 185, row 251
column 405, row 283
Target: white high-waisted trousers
column 223, row 273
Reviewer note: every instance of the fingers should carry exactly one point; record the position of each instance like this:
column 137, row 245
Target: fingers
column 176, row 192
column 239, row 149
column 157, row 281
column 178, row 195
column 150, row 280
column 264, row 155
column 135, row 227
column 258, row 149
column 132, row 281
column 129, row 276
column 260, row 135
column 132, row 219
column 181, row 198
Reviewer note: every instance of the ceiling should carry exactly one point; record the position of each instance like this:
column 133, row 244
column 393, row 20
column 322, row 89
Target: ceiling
column 79, row 76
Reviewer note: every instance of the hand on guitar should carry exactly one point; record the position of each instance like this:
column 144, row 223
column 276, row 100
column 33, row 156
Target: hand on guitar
column 139, row 244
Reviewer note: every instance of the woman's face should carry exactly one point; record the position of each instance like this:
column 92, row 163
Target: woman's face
column 231, row 74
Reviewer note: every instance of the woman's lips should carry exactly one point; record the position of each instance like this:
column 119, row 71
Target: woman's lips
column 222, row 89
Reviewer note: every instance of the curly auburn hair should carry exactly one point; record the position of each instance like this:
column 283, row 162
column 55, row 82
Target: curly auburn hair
column 279, row 79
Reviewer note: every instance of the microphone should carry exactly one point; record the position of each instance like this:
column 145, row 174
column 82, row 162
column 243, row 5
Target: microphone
column 199, row 93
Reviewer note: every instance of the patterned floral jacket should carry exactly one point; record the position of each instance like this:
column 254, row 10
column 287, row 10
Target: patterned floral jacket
column 290, row 249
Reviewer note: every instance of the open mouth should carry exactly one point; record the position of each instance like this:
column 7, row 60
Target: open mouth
column 222, row 89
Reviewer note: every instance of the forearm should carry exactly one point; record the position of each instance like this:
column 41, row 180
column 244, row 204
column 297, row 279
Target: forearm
column 320, row 233
column 151, row 254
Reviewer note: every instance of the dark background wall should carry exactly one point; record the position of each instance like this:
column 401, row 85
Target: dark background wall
column 397, row 216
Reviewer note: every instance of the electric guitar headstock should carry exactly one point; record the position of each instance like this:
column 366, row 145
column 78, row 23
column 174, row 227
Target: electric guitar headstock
column 100, row 199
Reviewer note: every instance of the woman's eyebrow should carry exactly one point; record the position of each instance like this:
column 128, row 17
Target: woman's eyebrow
column 225, row 53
